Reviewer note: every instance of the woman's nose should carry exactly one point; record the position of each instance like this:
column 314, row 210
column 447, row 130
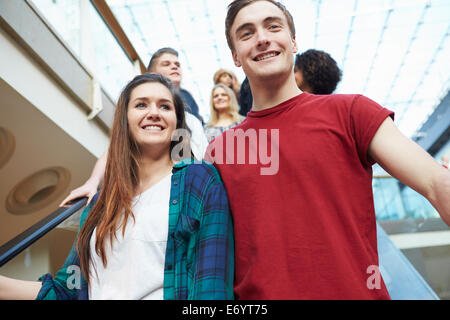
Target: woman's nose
column 153, row 111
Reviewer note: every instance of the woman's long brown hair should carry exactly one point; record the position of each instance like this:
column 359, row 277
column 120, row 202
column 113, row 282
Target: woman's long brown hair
column 114, row 205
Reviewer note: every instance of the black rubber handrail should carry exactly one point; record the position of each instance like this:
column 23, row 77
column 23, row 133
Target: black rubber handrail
column 25, row 239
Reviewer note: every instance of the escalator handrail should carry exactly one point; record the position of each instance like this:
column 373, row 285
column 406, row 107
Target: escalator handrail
column 22, row 241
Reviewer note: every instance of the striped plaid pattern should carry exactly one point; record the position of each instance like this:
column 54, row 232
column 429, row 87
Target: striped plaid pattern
column 199, row 260
column 202, row 253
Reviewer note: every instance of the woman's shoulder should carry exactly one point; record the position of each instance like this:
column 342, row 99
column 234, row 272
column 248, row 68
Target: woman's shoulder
column 199, row 169
column 240, row 119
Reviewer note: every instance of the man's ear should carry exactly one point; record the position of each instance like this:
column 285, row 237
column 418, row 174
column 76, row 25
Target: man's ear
column 237, row 63
column 294, row 42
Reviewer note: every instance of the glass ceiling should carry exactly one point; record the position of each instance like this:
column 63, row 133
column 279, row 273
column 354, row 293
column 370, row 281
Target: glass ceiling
column 396, row 52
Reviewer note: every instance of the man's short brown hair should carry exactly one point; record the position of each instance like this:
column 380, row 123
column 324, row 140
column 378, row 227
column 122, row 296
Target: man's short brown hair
column 237, row 5
column 157, row 55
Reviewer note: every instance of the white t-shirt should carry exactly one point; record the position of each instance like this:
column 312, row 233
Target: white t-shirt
column 135, row 265
column 199, row 142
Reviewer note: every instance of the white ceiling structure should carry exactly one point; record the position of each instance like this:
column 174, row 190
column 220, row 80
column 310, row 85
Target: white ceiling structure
column 396, row 52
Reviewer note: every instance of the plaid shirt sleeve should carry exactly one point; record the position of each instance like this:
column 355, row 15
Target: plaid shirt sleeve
column 68, row 281
column 214, row 262
column 200, row 250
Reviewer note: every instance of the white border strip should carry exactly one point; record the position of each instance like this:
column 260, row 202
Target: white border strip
column 421, row 239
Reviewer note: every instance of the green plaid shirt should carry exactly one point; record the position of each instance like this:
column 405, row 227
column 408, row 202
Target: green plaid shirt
column 199, row 261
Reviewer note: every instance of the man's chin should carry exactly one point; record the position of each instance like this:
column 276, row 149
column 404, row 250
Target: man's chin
column 271, row 75
column 176, row 81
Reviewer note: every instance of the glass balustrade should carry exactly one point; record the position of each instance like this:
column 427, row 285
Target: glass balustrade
column 79, row 25
column 395, row 201
column 46, row 255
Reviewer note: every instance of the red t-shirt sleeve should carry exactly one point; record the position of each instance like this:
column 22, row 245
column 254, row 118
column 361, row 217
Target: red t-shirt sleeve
column 366, row 116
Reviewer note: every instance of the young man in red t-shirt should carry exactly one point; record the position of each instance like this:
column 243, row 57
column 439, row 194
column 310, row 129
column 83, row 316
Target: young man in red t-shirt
column 304, row 225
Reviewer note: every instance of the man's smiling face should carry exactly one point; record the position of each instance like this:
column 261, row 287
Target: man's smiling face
column 262, row 41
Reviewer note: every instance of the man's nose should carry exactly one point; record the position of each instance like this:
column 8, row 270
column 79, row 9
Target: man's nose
column 262, row 39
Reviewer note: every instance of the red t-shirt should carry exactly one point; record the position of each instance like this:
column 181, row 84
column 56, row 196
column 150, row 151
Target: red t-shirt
column 303, row 210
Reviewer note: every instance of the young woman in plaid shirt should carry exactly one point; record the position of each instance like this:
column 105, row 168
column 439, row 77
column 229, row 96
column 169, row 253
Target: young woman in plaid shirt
column 159, row 228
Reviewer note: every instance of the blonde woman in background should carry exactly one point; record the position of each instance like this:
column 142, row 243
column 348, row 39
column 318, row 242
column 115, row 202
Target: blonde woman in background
column 224, row 111
column 229, row 79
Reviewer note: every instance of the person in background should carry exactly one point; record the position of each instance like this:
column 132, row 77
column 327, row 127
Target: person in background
column 165, row 61
column 316, row 72
column 224, row 111
column 229, row 79
column 245, row 98
column 136, row 239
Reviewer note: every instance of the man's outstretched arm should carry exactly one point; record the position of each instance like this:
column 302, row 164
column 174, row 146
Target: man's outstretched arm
column 408, row 162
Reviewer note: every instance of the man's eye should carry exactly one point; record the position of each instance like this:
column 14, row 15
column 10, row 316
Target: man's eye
column 274, row 27
column 246, row 34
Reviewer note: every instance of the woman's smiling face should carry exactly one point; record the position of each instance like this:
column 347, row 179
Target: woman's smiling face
column 221, row 100
column 151, row 115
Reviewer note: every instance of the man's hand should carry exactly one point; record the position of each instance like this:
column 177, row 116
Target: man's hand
column 89, row 189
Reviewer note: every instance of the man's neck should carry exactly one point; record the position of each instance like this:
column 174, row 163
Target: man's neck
column 176, row 85
column 268, row 94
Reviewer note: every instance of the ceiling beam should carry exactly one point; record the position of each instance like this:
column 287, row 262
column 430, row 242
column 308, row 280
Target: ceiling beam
column 113, row 24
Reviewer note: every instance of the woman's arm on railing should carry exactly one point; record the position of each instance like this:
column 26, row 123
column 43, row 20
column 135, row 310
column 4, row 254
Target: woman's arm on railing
column 65, row 285
column 13, row 289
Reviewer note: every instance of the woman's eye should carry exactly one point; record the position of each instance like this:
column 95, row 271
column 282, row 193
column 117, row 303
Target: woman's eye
column 141, row 105
column 165, row 107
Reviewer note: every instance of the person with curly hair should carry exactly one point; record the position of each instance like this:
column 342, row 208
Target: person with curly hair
column 316, row 72
column 229, row 79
